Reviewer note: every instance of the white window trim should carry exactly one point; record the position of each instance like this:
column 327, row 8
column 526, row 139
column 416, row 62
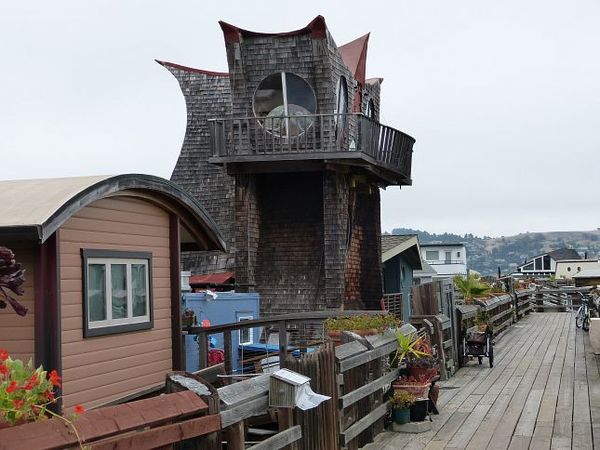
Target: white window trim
column 250, row 330
column 121, row 325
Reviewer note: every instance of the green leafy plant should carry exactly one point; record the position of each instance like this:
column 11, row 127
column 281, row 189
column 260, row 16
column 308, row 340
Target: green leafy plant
column 402, row 399
column 27, row 392
column 471, row 286
column 379, row 322
column 408, row 345
column 482, row 319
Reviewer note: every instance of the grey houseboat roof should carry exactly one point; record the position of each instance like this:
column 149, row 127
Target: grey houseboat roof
column 34, row 209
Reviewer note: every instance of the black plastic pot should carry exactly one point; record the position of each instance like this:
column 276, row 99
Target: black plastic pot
column 418, row 411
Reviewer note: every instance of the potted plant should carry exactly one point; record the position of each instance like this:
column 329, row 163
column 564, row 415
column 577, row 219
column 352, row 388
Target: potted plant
column 419, row 387
column 418, row 410
column 408, row 345
column 401, row 402
column 470, row 287
column 424, row 364
column 482, row 320
column 363, row 325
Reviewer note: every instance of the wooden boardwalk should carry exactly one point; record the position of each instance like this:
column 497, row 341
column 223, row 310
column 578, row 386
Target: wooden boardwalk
column 543, row 392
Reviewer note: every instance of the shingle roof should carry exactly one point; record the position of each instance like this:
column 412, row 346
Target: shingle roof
column 389, row 241
column 564, row 253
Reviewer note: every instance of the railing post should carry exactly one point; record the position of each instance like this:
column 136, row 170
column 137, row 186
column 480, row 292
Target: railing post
column 203, row 349
column 228, row 349
column 283, row 344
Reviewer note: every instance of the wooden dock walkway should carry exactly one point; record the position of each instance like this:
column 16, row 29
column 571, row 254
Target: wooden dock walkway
column 543, row 392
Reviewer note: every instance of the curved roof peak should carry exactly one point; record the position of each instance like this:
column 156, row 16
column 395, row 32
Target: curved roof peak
column 354, row 54
column 34, row 209
column 191, row 69
column 316, row 28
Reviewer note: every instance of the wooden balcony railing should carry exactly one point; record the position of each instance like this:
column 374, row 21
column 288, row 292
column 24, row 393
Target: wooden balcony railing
column 319, row 136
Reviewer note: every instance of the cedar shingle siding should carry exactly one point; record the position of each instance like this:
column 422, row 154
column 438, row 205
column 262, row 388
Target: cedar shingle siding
column 304, row 240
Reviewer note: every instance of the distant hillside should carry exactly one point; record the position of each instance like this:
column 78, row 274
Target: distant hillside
column 486, row 254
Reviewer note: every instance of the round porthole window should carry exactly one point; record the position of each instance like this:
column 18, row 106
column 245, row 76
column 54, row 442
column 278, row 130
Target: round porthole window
column 285, row 104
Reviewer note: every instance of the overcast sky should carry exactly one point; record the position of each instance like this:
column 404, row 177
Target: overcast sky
column 503, row 97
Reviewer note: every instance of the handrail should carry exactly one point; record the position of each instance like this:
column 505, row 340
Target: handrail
column 293, row 317
column 312, row 134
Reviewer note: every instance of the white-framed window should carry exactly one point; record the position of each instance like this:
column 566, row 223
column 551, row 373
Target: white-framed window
column 245, row 334
column 117, row 291
column 432, row 255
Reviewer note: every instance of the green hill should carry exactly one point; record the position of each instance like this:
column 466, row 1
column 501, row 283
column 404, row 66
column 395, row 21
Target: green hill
column 485, row 254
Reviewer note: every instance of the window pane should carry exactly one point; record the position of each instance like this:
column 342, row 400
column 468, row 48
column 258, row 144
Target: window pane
column 96, row 292
column 269, row 95
column 118, row 273
column 538, row 263
column 432, row 255
column 300, row 94
column 246, row 333
column 547, row 262
column 138, row 288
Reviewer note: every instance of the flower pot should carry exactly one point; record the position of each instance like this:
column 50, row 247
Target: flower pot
column 335, row 337
column 401, row 415
column 418, row 411
column 418, row 390
column 428, row 372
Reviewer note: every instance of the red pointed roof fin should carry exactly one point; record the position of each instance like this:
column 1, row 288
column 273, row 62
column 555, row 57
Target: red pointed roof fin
column 354, row 54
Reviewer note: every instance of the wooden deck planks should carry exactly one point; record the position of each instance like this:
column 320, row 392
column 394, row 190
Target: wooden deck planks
column 544, row 392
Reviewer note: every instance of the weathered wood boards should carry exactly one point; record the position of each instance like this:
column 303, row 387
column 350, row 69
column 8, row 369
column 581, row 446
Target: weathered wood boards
column 544, row 392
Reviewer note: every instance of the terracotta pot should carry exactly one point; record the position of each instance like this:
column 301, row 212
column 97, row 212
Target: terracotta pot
column 419, row 391
column 416, row 372
column 335, row 337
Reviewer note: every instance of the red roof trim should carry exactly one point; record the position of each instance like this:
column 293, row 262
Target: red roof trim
column 212, row 278
column 316, row 28
column 354, row 54
column 191, row 69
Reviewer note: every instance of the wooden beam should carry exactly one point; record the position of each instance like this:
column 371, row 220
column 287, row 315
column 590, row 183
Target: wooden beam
column 361, row 425
column 366, row 357
column 367, row 389
column 238, row 393
column 175, row 274
column 165, row 435
column 245, row 410
column 280, row 440
column 46, row 310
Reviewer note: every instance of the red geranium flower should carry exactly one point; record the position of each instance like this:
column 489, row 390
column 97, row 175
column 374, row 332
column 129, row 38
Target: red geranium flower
column 54, row 378
column 18, row 404
column 12, row 387
column 3, row 354
column 3, row 369
column 79, row 409
column 50, row 396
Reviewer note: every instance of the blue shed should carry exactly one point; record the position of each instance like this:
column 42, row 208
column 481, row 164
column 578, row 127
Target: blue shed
column 400, row 257
column 227, row 307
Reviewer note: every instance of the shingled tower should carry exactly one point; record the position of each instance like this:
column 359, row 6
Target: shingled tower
column 287, row 152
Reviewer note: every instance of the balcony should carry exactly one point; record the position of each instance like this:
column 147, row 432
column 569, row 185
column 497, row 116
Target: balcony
column 311, row 142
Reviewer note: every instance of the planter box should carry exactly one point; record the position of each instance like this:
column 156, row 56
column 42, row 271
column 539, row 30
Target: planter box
column 595, row 335
column 419, row 391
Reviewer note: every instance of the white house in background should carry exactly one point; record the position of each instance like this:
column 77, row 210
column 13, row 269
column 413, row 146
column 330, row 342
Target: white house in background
column 544, row 265
column 567, row 268
column 446, row 259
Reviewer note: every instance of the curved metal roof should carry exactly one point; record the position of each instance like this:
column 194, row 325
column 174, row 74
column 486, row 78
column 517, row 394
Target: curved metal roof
column 34, row 209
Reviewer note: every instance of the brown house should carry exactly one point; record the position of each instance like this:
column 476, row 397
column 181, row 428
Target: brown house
column 103, row 287
column 287, row 151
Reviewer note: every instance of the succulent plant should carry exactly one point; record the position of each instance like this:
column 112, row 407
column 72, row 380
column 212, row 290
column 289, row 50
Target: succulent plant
column 12, row 276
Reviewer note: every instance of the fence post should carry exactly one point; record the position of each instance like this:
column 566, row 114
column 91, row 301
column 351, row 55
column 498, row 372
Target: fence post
column 539, row 300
